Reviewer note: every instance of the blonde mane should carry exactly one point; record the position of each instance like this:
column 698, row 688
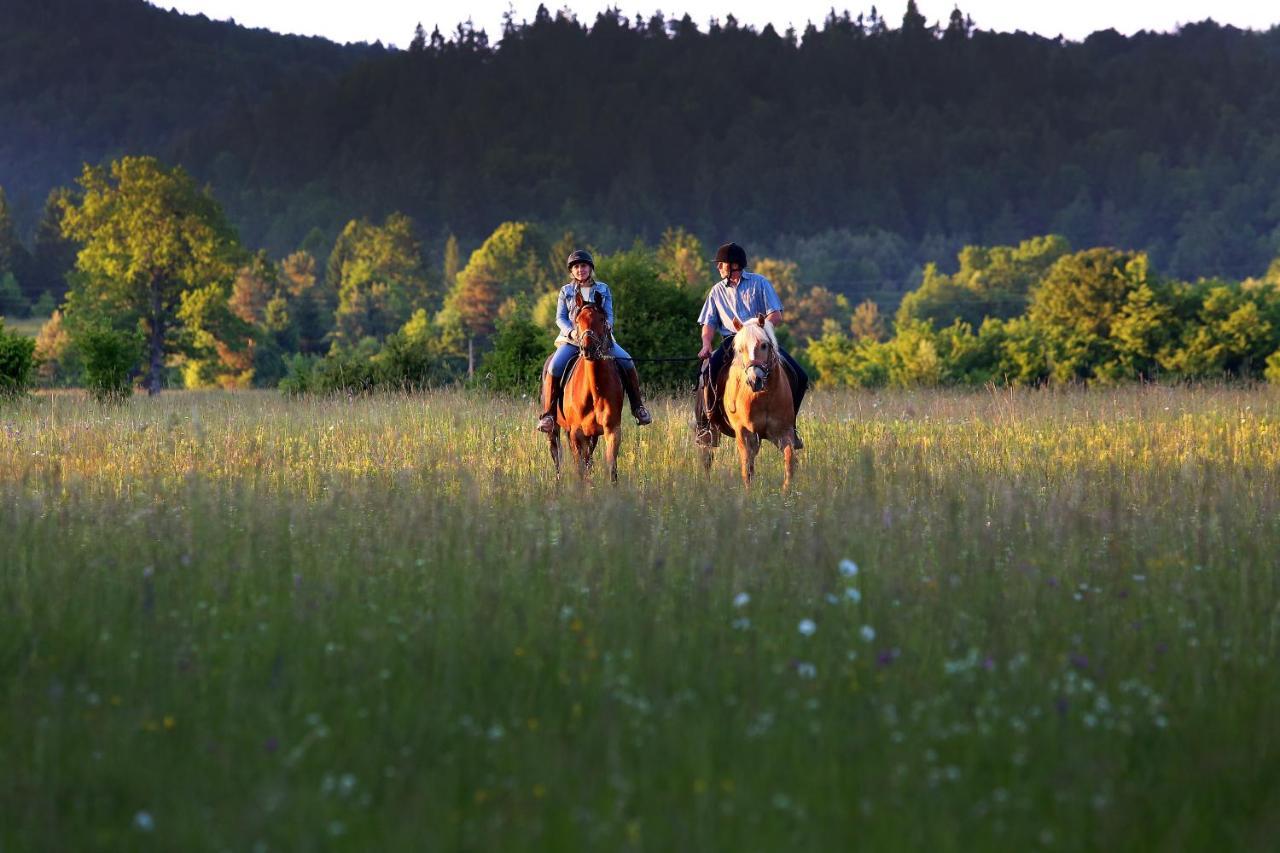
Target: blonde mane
column 752, row 333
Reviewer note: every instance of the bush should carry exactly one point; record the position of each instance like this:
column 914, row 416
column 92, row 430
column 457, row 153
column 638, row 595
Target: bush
column 17, row 361
column 299, row 374
column 515, row 362
column 342, row 371
column 111, row 359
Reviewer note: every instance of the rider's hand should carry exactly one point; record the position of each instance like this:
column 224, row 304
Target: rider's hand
column 705, row 352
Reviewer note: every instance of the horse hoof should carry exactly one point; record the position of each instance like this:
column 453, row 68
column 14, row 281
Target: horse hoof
column 642, row 416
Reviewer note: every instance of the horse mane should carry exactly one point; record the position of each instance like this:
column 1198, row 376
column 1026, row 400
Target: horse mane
column 755, row 329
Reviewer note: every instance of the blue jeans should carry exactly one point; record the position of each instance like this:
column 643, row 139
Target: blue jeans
column 560, row 360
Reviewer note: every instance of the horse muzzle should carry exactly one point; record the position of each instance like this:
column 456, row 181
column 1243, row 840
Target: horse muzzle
column 757, row 378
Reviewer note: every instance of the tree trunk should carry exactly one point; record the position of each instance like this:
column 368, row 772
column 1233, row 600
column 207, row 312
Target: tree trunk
column 155, row 343
column 471, row 357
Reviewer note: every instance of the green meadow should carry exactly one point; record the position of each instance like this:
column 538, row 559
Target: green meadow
column 982, row 620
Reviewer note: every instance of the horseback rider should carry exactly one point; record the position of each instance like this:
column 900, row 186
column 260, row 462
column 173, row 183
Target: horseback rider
column 582, row 272
column 736, row 298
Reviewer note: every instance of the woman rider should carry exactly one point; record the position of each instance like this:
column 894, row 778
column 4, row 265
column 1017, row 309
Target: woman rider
column 582, row 272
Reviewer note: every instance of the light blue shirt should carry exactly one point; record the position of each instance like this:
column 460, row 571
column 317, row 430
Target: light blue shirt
column 567, row 307
column 726, row 303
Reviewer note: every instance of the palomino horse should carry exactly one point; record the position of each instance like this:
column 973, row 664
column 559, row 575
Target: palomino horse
column 592, row 403
column 757, row 401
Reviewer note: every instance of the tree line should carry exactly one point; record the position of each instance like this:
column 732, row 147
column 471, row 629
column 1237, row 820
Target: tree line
column 162, row 293
column 860, row 146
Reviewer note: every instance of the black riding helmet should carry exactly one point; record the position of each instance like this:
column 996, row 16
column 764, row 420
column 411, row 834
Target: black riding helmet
column 731, row 253
column 579, row 256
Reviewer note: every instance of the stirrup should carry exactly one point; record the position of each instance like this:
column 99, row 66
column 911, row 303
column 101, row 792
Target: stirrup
column 703, row 436
column 547, row 424
column 642, row 416
column 796, row 442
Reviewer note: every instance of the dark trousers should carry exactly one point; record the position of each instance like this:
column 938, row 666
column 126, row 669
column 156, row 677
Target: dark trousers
column 795, row 373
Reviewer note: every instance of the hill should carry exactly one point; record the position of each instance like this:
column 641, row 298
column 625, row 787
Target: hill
column 858, row 147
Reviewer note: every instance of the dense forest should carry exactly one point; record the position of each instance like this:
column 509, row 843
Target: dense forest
column 861, row 147
column 208, row 205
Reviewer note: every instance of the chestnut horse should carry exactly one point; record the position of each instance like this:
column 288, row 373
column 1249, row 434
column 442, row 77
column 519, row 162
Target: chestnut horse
column 757, row 400
column 592, row 403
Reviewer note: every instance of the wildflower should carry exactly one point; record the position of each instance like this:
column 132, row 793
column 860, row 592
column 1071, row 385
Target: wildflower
column 1139, row 578
column 742, row 599
column 888, row 656
column 806, row 670
column 849, row 568
column 807, row 627
column 867, row 633
column 143, row 821
column 853, row 594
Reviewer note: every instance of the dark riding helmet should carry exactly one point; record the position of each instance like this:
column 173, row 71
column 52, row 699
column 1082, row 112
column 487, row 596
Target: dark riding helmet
column 580, row 256
column 731, row 253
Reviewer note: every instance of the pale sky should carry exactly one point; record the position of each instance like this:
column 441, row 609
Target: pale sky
column 392, row 21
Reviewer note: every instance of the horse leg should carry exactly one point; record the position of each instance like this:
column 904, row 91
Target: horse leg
column 748, row 446
column 788, row 462
column 553, row 439
column 706, row 453
column 581, row 455
column 612, row 439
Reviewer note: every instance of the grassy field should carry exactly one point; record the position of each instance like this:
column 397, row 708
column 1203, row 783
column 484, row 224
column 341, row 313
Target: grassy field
column 1036, row 620
column 29, row 326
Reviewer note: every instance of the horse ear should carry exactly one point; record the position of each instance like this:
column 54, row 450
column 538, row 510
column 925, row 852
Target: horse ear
column 599, row 299
column 760, row 320
column 577, row 298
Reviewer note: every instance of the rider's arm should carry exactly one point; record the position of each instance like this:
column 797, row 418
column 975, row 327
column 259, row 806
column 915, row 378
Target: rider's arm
column 774, row 317
column 562, row 315
column 608, row 305
column 708, row 335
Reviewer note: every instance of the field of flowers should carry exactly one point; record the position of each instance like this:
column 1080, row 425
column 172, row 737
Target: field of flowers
column 1028, row 620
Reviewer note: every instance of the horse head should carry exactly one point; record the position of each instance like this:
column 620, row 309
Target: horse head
column 595, row 337
column 756, row 352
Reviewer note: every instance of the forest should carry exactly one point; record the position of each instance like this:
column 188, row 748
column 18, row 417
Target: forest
column 936, row 203
column 863, row 146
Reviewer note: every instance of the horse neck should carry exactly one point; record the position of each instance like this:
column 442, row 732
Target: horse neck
column 598, row 368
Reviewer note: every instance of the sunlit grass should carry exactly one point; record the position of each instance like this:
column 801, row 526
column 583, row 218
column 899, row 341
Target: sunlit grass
column 236, row 619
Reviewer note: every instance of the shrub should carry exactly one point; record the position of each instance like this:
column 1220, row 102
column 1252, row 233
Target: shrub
column 17, row 361
column 111, row 359
column 515, row 362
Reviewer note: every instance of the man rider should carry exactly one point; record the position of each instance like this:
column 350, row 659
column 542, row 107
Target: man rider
column 739, row 296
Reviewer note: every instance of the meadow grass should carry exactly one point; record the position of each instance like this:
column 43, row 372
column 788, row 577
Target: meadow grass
column 27, row 326
column 980, row 621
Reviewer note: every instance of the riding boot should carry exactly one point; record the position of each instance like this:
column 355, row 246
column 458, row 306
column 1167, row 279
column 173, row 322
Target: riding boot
column 550, row 393
column 631, row 382
column 795, row 439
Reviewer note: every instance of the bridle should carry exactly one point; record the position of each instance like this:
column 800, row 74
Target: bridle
column 603, row 344
column 765, row 366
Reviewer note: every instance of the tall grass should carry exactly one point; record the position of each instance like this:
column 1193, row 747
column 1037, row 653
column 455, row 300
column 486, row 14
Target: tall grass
column 233, row 621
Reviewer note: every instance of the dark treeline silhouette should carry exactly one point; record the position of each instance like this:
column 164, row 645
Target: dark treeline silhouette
column 88, row 80
column 826, row 145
